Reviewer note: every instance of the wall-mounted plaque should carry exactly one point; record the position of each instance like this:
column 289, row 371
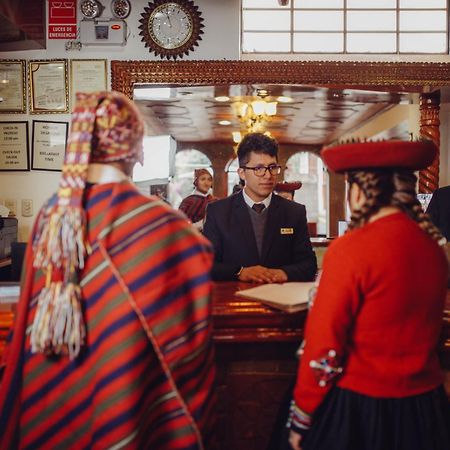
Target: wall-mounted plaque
column 49, row 91
column 12, row 86
column 49, row 145
column 87, row 75
column 14, row 146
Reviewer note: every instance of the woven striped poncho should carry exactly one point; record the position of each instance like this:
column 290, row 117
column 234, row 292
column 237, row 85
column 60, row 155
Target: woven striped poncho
column 145, row 377
column 194, row 206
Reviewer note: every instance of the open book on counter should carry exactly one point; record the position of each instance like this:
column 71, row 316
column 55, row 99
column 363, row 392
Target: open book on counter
column 291, row 297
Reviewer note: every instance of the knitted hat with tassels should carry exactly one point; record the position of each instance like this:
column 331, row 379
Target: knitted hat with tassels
column 106, row 127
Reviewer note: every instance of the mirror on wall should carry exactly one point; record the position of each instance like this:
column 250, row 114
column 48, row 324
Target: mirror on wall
column 208, row 105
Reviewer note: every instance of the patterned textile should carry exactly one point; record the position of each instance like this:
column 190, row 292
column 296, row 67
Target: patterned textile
column 144, row 378
column 298, row 420
column 194, row 206
column 326, row 368
column 105, row 127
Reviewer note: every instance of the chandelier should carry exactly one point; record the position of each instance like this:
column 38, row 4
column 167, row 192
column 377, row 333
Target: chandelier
column 253, row 115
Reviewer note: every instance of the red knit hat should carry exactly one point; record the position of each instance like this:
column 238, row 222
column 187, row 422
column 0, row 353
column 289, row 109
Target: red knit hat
column 382, row 154
column 288, row 186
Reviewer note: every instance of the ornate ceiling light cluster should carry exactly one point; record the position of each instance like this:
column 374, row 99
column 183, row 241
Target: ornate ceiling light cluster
column 253, row 115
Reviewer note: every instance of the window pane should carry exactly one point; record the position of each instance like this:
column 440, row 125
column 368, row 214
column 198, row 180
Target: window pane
column 318, row 21
column 318, row 4
column 318, row 42
column 423, row 20
column 262, row 4
column 373, row 21
column 266, row 20
column 371, row 4
column 428, row 4
column 371, row 42
column 423, row 43
column 266, row 42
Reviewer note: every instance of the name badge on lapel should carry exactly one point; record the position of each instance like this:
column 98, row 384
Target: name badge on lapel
column 286, row 231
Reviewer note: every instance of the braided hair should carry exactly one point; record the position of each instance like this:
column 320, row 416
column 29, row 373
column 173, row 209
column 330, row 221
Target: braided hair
column 394, row 187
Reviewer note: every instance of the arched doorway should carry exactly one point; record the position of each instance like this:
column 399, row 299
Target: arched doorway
column 232, row 175
column 186, row 161
column 308, row 168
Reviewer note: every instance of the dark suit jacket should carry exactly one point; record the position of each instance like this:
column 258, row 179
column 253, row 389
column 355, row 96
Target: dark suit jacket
column 439, row 210
column 286, row 243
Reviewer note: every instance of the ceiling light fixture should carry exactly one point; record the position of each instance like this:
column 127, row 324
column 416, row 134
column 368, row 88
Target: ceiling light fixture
column 284, row 99
column 253, row 115
column 222, row 98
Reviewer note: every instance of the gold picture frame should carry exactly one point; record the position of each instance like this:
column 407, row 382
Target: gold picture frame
column 87, row 75
column 48, row 86
column 13, row 86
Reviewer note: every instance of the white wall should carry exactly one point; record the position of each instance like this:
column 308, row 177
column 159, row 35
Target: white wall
column 220, row 41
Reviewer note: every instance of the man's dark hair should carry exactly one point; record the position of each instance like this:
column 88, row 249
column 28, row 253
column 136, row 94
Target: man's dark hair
column 258, row 143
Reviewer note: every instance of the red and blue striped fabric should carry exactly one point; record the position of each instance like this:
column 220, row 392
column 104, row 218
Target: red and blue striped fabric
column 144, row 379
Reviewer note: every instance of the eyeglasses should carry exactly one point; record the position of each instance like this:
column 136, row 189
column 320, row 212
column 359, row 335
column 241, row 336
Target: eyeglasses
column 260, row 171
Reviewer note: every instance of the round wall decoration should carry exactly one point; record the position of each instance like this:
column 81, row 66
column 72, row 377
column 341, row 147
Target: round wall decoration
column 171, row 28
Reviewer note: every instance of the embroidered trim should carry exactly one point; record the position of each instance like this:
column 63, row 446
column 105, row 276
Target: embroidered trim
column 326, row 368
column 298, row 420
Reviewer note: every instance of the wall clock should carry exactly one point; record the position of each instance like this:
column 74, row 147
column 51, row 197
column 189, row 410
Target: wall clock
column 171, row 28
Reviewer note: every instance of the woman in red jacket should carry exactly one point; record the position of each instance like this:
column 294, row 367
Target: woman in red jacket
column 369, row 376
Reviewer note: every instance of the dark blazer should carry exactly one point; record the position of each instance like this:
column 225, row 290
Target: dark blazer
column 439, row 210
column 286, row 243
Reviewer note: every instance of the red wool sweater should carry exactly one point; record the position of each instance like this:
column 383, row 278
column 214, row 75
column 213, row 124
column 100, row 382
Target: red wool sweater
column 379, row 308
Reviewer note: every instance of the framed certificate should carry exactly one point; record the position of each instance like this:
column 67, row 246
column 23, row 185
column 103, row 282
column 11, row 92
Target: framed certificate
column 14, row 146
column 48, row 87
column 12, row 86
column 87, row 75
column 49, row 145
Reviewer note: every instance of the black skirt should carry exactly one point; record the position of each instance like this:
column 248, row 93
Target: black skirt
column 347, row 420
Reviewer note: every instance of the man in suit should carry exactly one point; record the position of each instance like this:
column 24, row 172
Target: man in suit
column 439, row 210
column 257, row 236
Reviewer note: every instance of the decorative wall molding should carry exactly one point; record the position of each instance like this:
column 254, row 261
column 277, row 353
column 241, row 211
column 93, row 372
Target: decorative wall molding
column 391, row 77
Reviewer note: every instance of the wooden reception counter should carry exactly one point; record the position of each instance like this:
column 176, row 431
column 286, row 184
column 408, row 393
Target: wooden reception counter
column 255, row 354
column 256, row 362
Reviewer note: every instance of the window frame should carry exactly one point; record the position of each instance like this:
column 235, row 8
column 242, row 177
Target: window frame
column 345, row 32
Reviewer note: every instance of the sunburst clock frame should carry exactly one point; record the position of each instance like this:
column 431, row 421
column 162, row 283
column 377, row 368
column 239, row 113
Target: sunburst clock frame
column 171, row 28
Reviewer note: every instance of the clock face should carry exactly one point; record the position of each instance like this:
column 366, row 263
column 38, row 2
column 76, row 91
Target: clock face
column 171, row 28
column 170, row 25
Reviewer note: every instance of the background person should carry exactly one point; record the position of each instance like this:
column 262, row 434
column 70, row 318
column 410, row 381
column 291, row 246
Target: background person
column 194, row 205
column 369, row 375
column 257, row 236
column 115, row 282
column 439, row 210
